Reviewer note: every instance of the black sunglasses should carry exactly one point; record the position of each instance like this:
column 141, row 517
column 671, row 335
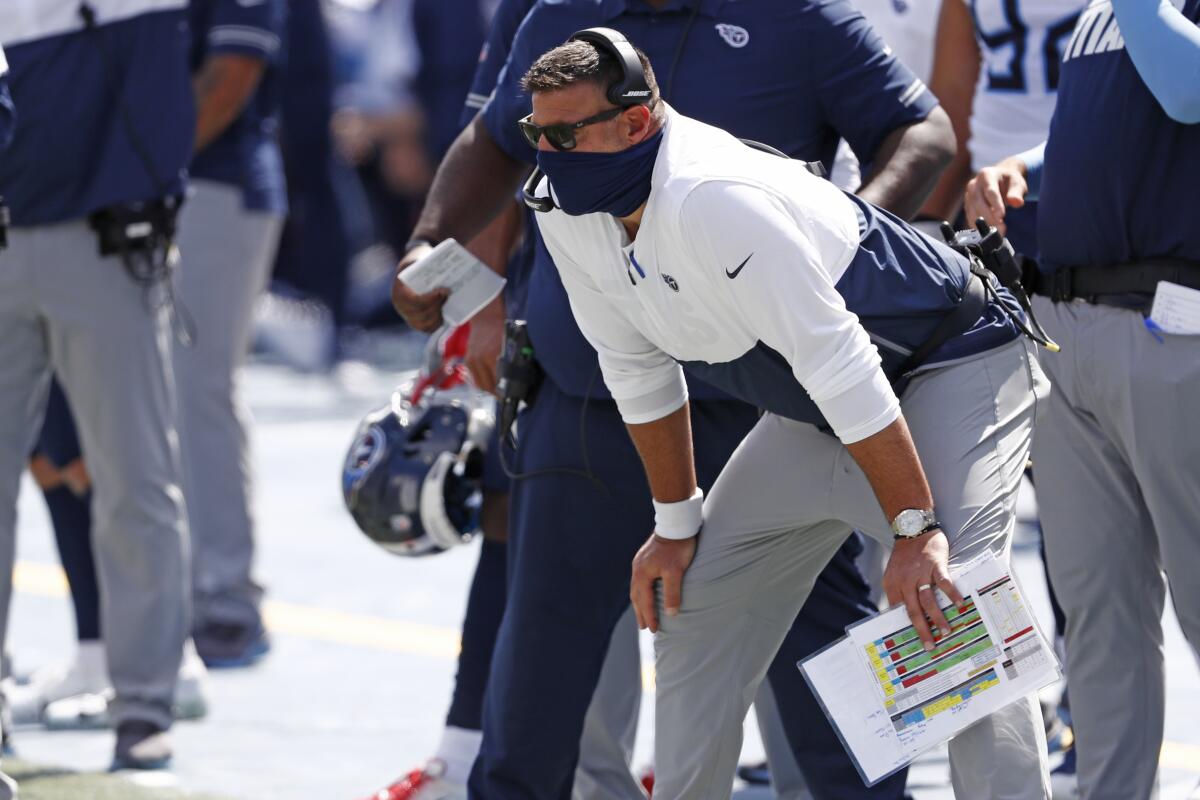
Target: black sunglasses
column 561, row 136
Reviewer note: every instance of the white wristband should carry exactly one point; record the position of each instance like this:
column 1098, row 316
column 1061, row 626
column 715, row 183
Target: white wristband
column 679, row 520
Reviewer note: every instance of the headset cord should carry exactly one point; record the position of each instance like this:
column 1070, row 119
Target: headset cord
column 687, row 29
column 1037, row 334
column 152, row 269
column 586, row 472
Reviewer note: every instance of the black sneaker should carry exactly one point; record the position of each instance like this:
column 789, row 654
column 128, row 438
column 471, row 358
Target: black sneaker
column 755, row 774
column 227, row 645
column 141, row 745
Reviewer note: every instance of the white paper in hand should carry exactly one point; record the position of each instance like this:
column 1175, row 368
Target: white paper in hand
column 890, row 700
column 449, row 266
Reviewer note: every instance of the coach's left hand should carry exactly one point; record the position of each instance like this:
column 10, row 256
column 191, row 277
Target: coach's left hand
column 916, row 569
column 659, row 559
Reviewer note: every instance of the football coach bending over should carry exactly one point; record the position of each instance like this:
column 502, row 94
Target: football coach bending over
column 679, row 244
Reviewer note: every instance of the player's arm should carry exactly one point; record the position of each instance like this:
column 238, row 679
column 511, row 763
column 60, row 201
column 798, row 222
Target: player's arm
column 651, row 395
column 241, row 41
column 880, row 107
column 955, row 72
column 493, row 246
column 477, row 177
column 907, row 165
column 1165, row 48
column 786, row 298
column 223, row 86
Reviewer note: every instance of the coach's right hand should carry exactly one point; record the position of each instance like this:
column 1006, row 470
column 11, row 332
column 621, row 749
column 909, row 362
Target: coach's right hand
column 993, row 189
column 422, row 311
column 659, row 559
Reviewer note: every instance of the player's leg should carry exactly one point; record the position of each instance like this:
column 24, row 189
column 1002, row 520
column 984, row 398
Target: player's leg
column 972, row 424
column 610, row 727
column 24, row 382
column 227, row 255
column 839, row 598
column 56, row 465
column 1120, row 507
column 109, row 346
column 767, row 534
column 1164, row 392
column 571, row 543
column 785, row 777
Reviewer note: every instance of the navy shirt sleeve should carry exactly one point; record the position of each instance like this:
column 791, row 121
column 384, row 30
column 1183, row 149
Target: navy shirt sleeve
column 505, row 23
column 539, row 32
column 864, row 89
column 242, row 27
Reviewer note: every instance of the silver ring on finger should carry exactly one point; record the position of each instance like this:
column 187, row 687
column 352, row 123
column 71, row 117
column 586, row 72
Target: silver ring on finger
column 924, row 586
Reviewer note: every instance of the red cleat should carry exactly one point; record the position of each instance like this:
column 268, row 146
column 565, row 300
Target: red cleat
column 422, row 784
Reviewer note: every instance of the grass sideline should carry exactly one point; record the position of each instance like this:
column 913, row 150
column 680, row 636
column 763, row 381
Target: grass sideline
column 41, row 782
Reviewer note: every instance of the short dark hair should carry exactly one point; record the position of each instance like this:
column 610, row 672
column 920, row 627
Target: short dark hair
column 582, row 62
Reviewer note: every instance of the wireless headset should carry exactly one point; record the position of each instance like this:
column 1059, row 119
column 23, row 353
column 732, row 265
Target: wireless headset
column 631, row 90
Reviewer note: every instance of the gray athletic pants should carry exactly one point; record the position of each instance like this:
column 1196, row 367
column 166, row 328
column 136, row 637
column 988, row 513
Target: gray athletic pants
column 785, row 502
column 610, row 727
column 1117, row 465
column 65, row 308
column 227, row 254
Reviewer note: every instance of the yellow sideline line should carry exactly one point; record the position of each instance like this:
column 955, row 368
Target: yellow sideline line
column 396, row 636
column 337, row 627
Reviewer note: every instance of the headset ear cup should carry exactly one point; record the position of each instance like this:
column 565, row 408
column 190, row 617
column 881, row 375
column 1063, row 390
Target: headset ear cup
column 633, row 76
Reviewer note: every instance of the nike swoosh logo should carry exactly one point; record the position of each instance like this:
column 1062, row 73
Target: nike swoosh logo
column 734, row 274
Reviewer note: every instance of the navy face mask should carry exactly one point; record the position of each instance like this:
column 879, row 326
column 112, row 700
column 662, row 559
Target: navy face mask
column 614, row 183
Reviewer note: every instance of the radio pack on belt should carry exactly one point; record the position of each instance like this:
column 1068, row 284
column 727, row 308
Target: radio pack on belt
column 518, row 373
column 991, row 254
column 135, row 227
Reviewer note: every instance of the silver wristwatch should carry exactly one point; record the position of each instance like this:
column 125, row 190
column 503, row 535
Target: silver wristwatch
column 912, row 522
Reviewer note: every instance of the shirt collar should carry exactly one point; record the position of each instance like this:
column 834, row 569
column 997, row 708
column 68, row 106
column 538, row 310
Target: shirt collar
column 615, row 8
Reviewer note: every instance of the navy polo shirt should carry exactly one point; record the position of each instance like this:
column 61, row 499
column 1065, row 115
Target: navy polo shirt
column 505, row 23
column 795, row 74
column 1120, row 176
column 246, row 154
column 89, row 101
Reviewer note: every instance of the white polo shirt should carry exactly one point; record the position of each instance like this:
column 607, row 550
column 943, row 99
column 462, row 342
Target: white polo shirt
column 736, row 248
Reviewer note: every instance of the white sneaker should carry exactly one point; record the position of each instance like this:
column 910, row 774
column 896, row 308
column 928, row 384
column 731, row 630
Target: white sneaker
column 87, row 673
column 89, row 710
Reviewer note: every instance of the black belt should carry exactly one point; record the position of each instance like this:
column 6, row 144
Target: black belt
column 1101, row 283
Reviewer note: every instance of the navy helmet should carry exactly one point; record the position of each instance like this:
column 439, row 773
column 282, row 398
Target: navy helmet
column 413, row 477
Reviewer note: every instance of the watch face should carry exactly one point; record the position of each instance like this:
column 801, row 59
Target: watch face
column 910, row 522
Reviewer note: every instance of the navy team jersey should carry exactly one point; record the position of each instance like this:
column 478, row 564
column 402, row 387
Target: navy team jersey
column 74, row 151
column 246, row 154
column 1120, row 176
column 795, row 74
column 505, row 23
